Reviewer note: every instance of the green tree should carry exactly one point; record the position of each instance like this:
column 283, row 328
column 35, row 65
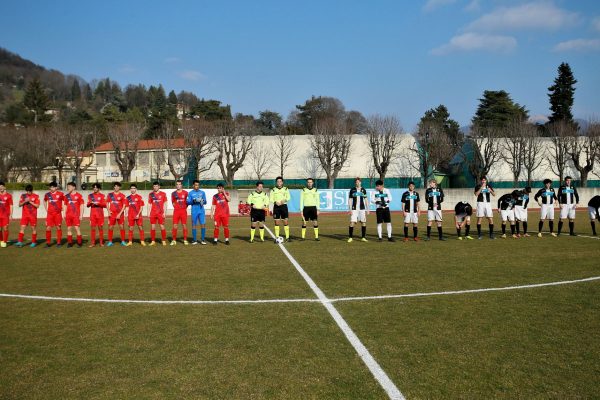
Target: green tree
column 88, row 95
column 211, row 110
column 497, row 110
column 75, row 91
column 36, row 100
column 561, row 95
column 172, row 97
column 269, row 122
column 318, row 108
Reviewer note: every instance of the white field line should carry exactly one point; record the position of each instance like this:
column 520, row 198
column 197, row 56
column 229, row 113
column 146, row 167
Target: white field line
column 451, row 292
column 378, row 373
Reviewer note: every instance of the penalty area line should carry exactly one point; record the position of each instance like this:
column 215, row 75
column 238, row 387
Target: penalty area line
column 378, row 373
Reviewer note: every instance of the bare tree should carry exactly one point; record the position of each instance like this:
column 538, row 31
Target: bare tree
column 199, row 138
column 433, row 149
column 311, row 166
column 584, row 151
column 282, row 150
column 234, row 141
column 513, row 144
column 560, row 136
column 259, row 161
column 383, row 136
column 75, row 148
column 8, row 160
column 34, row 151
column 482, row 151
column 532, row 151
column 331, row 142
column 125, row 138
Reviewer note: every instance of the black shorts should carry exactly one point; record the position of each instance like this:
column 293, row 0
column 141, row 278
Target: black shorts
column 310, row 213
column 280, row 212
column 383, row 215
column 257, row 215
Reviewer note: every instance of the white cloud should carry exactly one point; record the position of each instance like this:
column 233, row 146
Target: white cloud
column 473, row 6
column 431, row 5
column 127, row 69
column 596, row 23
column 535, row 15
column 578, row 45
column 191, row 75
column 172, row 60
column 477, row 42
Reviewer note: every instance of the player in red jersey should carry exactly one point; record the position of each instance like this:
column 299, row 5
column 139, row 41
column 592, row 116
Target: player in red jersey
column 53, row 203
column 97, row 204
column 219, row 212
column 6, row 203
column 157, row 201
column 116, row 203
column 30, row 202
column 179, row 201
column 73, row 213
column 135, row 205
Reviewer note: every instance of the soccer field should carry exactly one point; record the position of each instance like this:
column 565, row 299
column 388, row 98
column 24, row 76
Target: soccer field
column 244, row 321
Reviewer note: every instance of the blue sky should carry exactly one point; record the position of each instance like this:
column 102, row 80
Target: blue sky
column 387, row 57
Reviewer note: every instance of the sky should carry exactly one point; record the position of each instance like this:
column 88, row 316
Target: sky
column 378, row 57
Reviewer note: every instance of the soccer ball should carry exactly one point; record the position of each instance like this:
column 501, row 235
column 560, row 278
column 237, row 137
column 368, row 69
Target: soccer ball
column 279, row 239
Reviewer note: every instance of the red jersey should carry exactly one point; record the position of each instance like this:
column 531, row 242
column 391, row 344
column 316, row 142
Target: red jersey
column 221, row 204
column 179, row 200
column 5, row 203
column 73, row 201
column 158, row 201
column 134, row 202
column 28, row 209
column 116, row 202
column 55, row 202
column 97, row 202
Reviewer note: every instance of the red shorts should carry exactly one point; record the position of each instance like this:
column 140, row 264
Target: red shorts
column 97, row 220
column 4, row 220
column 29, row 220
column 54, row 220
column 157, row 219
column 132, row 222
column 180, row 216
column 112, row 220
column 73, row 220
column 221, row 220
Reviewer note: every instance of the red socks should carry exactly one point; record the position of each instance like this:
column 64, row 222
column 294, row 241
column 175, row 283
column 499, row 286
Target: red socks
column 34, row 237
column 174, row 233
column 21, row 237
column 93, row 236
column 69, row 238
column 5, row 235
column 153, row 234
column 131, row 236
column 184, row 233
column 122, row 235
column 216, row 233
column 58, row 236
column 48, row 237
column 79, row 240
column 226, row 230
column 110, row 235
column 163, row 234
column 101, row 232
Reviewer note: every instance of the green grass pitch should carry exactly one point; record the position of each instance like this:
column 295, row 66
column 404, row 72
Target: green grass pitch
column 540, row 342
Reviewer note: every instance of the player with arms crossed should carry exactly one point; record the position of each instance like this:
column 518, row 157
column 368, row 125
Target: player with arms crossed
column 30, row 202
column 382, row 197
column 116, row 204
column 593, row 206
column 568, row 199
column 462, row 217
column 310, row 204
column 97, row 204
column 53, row 203
column 73, row 213
column 506, row 205
column 197, row 199
column 521, row 203
column 6, row 203
column 259, row 201
column 179, row 201
column 434, row 197
column 157, row 201
column 135, row 205
column 219, row 212
column 411, row 207
column 483, row 192
column 358, row 204
column 546, row 198
column 279, row 197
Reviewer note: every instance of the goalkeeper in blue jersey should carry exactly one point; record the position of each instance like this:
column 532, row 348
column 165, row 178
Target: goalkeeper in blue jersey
column 197, row 199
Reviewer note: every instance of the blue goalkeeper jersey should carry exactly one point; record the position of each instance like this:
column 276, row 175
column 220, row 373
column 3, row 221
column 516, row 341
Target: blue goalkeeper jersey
column 197, row 199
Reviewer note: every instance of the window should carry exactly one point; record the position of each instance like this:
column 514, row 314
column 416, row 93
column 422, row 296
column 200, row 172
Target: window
column 143, row 159
column 101, row 159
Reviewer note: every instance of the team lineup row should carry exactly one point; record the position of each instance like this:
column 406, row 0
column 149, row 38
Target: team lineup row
column 512, row 207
